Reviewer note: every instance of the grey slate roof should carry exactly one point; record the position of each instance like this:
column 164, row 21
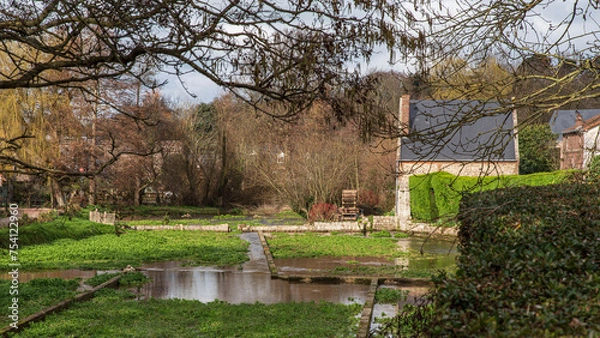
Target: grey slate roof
column 458, row 131
column 565, row 119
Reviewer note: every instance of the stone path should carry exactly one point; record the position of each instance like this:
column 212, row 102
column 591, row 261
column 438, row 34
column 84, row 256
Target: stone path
column 258, row 261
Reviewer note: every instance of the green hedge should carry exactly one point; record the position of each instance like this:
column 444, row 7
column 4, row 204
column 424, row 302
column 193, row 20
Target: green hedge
column 529, row 265
column 438, row 194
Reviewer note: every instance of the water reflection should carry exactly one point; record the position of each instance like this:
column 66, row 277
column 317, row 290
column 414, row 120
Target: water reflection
column 252, row 281
column 246, row 287
column 436, row 255
column 433, row 246
column 248, row 284
column 386, row 311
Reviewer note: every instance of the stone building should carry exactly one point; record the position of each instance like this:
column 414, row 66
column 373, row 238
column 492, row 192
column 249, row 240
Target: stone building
column 464, row 138
column 580, row 143
column 562, row 120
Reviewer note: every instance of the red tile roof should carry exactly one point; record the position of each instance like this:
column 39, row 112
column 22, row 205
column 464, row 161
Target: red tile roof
column 587, row 125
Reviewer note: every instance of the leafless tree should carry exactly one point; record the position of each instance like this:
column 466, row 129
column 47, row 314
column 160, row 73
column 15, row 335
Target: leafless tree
column 263, row 51
column 282, row 50
column 493, row 58
column 548, row 51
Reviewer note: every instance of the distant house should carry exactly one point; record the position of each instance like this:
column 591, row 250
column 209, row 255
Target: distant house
column 580, row 142
column 467, row 138
column 562, row 120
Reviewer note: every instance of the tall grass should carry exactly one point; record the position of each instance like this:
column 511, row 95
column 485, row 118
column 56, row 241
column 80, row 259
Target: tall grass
column 59, row 228
column 112, row 313
column 134, row 248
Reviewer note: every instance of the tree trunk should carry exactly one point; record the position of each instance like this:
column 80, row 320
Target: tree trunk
column 57, row 193
column 92, row 194
column 137, row 193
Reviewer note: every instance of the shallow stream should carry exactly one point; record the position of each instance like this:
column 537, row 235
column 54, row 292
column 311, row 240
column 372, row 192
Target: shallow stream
column 252, row 282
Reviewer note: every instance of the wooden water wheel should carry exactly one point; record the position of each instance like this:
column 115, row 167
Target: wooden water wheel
column 350, row 210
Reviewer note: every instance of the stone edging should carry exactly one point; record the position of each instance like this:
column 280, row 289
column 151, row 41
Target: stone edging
column 267, row 251
column 429, row 229
column 316, row 227
column 367, row 312
column 58, row 307
column 364, row 325
column 379, row 223
column 216, row 227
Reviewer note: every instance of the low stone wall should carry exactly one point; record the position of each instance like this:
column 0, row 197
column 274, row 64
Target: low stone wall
column 339, row 226
column 428, row 229
column 394, row 223
column 390, row 223
column 367, row 312
column 34, row 212
column 385, row 223
column 267, row 251
column 216, row 227
column 102, row 217
column 316, row 227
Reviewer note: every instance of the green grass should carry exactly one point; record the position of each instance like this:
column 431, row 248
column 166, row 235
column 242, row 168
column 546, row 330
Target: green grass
column 172, row 211
column 380, row 271
column 112, row 313
column 310, row 245
column 286, row 217
column 232, row 222
column 173, row 222
column 134, row 247
column 390, row 296
column 128, row 279
column 101, row 278
column 135, row 278
column 35, row 295
column 289, row 214
column 60, row 228
column 385, row 233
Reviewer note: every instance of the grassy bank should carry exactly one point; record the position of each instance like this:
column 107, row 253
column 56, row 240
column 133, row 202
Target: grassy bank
column 152, row 211
column 134, row 247
column 311, row 245
column 59, row 228
column 417, row 267
column 35, row 295
column 113, row 313
column 232, row 220
column 287, row 218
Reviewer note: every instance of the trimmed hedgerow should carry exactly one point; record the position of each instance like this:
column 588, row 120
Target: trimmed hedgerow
column 422, row 200
column 529, row 265
column 438, row 194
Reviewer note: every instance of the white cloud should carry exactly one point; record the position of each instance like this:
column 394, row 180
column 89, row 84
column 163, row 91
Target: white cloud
column 204, row 89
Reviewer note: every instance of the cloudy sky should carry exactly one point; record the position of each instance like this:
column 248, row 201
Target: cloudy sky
column 546, row 22
column 205, row 90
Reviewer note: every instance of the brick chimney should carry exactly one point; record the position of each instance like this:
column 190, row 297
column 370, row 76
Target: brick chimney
column 578, row 120
column 404, row 113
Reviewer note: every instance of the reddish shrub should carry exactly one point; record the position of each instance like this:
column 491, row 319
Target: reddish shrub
column 368, row 197
column 322, row 211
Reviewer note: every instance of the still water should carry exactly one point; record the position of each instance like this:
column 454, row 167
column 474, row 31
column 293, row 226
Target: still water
column 252, row 281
